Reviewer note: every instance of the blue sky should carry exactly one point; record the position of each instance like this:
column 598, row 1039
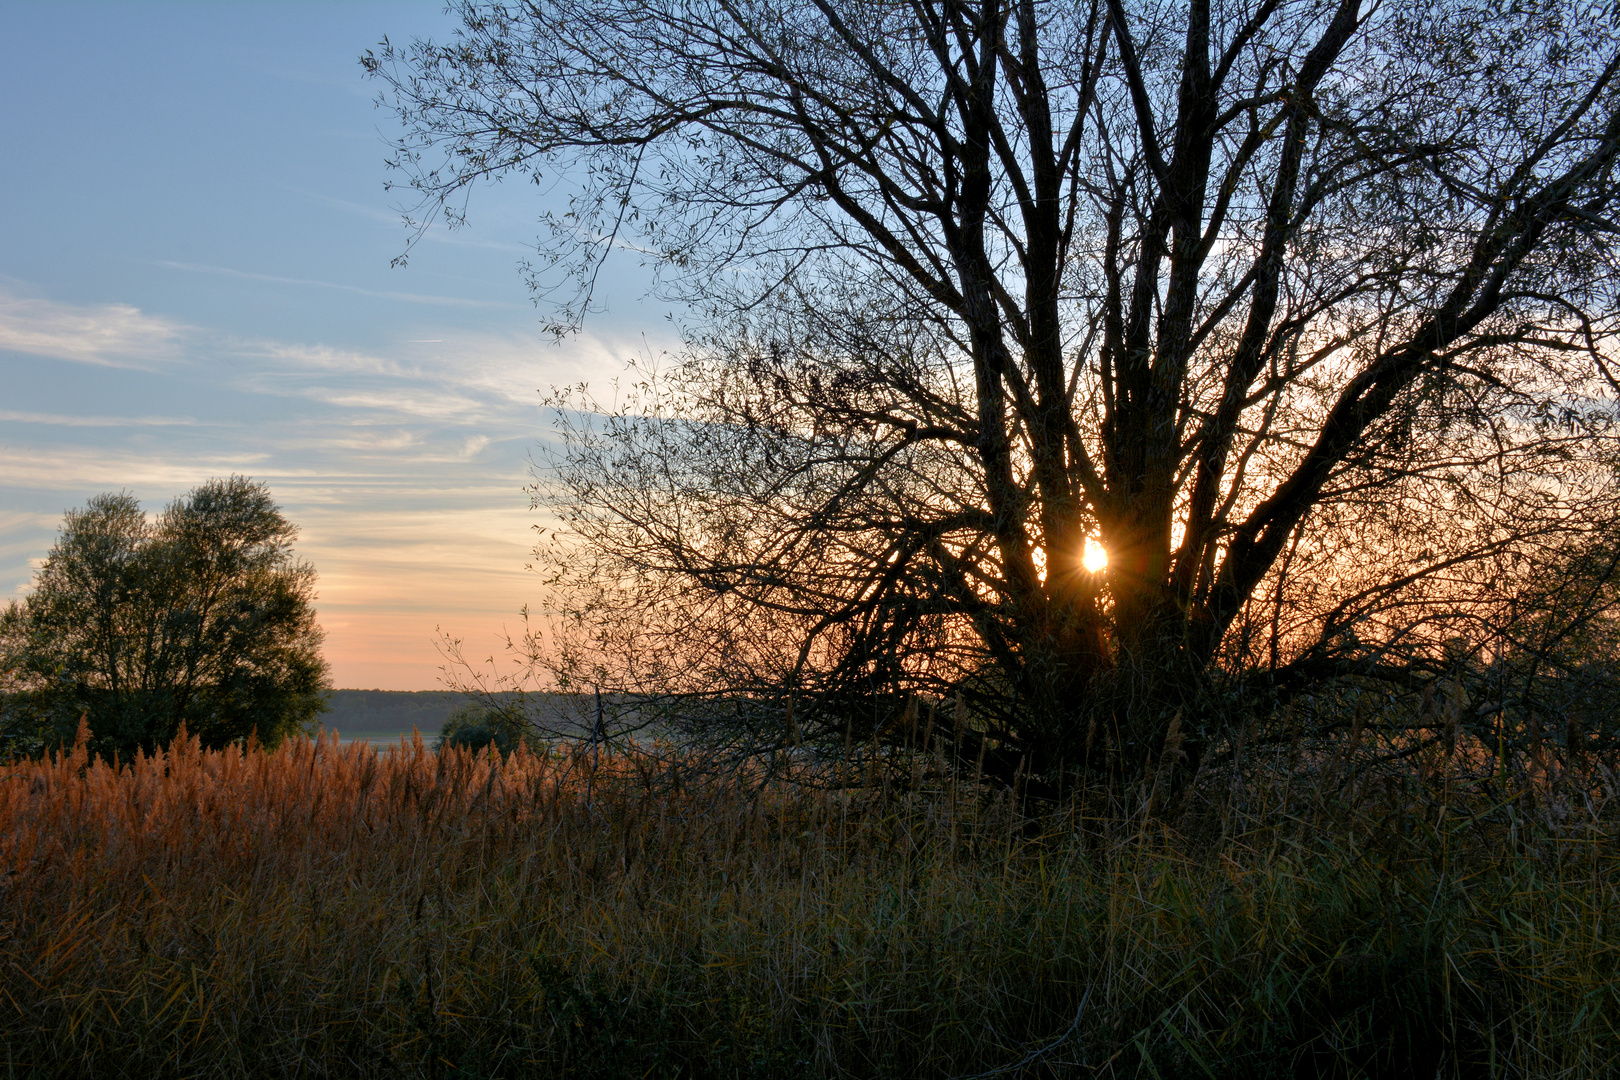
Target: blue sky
column 195, row 280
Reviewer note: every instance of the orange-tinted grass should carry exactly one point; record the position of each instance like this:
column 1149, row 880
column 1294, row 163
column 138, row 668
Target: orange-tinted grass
column 323, row 910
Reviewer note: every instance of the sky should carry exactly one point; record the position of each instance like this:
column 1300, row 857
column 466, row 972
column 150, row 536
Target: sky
column 195, row 281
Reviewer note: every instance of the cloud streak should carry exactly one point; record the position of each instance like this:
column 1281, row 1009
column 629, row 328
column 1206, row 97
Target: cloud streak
column 437, row 234
column 105, row 335
column 8, row 416
column 315, row 283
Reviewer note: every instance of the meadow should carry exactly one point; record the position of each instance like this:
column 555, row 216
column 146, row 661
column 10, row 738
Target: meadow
column 324, row 910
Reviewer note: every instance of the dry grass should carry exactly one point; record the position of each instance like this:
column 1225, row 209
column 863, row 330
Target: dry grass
column 318, row 910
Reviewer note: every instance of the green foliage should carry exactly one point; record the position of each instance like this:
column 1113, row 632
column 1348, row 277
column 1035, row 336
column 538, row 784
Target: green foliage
column 201, row 617
column 473, row 727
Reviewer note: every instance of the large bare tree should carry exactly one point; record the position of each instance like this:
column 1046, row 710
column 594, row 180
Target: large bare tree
column 1302, row 309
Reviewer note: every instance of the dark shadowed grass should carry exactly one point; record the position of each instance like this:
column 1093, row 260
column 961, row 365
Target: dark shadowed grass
column 320, row 910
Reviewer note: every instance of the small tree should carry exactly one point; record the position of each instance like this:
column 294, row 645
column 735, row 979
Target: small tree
column 201, row 617
column 475, row 727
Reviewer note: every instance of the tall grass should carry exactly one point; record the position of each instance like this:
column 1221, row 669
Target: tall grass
column 319, row 910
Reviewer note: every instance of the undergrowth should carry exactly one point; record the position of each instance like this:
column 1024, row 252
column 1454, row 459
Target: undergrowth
column 319, row 910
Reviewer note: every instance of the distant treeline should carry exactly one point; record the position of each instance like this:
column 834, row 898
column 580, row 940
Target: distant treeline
column 356, row 712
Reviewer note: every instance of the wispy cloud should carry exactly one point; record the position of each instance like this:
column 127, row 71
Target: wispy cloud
column 107, row 335
column 81, row 471
column 479, row 379
column 63, row 420
column 404, row 402
column 364, row 388
column 518, row 368
column 434, row 233
column 323, row 358
column 315, row 283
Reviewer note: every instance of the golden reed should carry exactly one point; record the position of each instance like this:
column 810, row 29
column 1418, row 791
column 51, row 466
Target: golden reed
column 327, row 910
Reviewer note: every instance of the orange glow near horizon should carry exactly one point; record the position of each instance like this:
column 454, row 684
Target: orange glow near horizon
column 1096, row 556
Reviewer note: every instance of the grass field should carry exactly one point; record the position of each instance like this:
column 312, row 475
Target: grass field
column 328, row 911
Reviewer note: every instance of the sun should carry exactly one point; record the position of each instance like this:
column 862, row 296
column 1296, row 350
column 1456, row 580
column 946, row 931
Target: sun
column 1095, row 558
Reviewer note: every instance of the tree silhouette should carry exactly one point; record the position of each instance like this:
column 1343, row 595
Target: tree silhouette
column 1303, row 310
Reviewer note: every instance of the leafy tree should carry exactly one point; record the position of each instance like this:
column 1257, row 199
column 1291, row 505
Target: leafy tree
column 475, row 727
column 200, row 617
column 1304, row 310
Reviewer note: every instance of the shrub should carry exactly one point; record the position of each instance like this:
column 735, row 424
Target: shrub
column 473, row 727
